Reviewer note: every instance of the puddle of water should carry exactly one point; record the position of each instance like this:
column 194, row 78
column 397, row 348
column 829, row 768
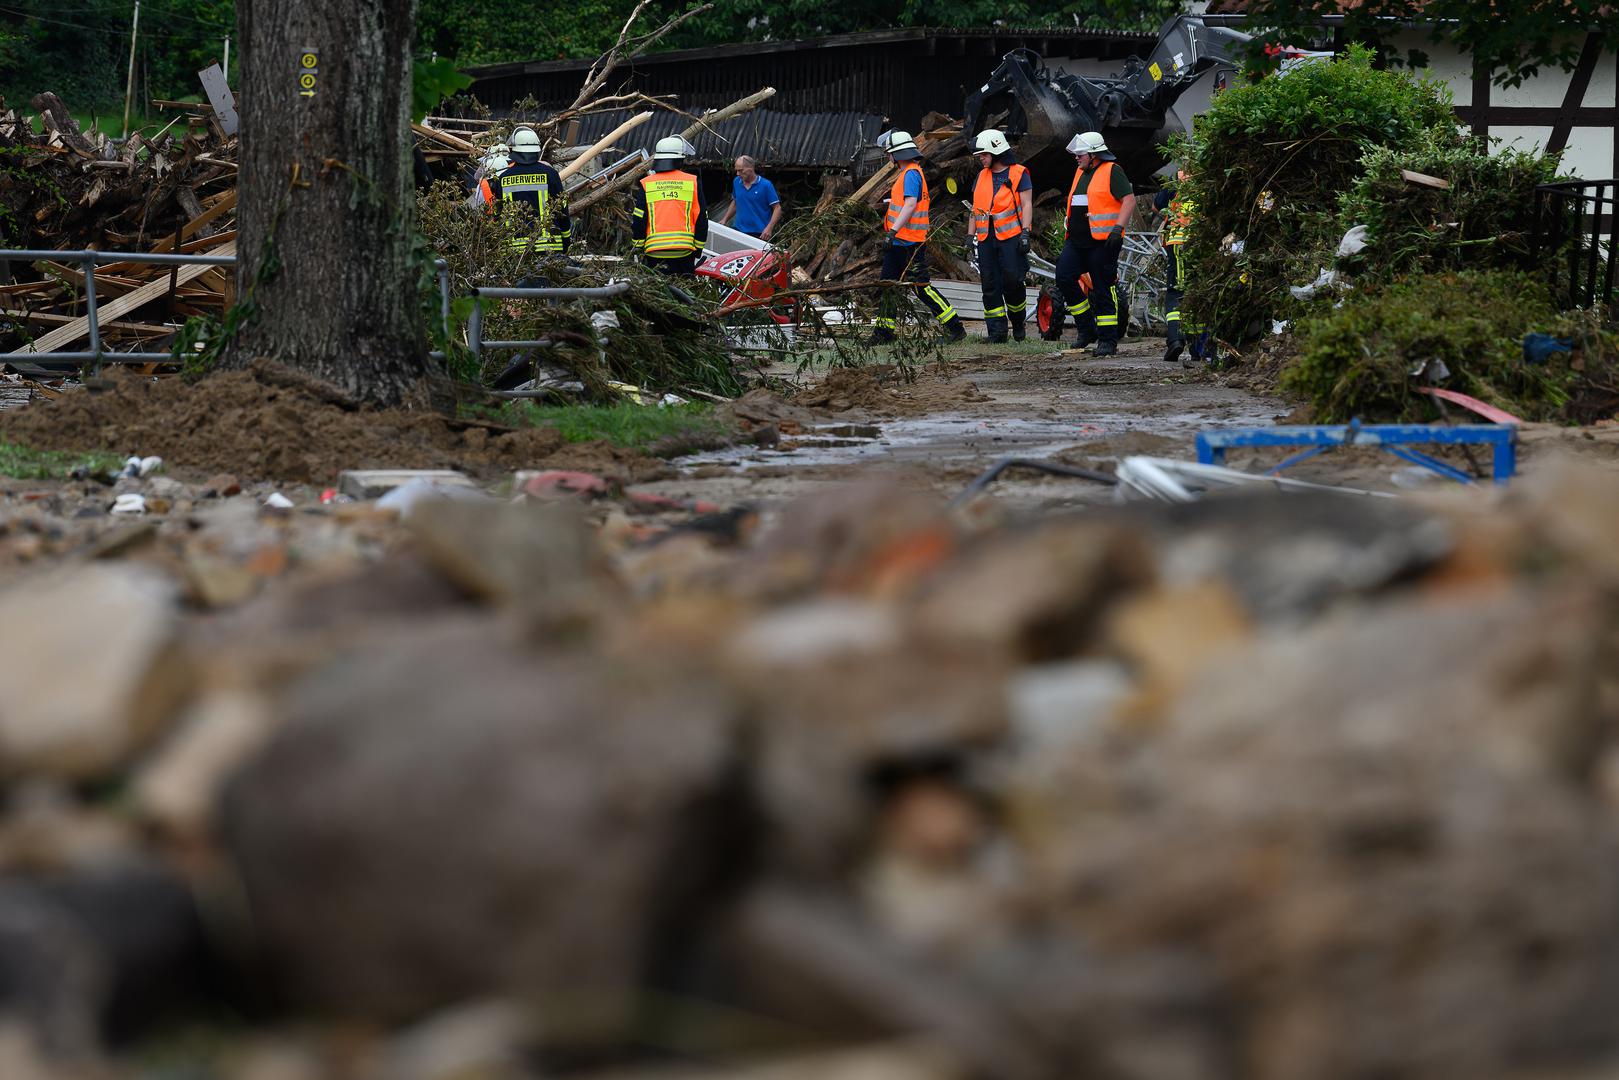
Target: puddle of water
column 954, row 436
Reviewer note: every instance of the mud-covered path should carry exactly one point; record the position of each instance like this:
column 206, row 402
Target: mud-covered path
column 1035, row 402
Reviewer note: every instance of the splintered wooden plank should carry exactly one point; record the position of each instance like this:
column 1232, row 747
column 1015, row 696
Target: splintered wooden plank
column 191, row 227
column 111, row 311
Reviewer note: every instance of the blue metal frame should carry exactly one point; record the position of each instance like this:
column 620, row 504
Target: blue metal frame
column 1502, row 439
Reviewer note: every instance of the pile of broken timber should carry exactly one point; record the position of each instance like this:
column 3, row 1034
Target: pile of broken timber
column 855, row 259
column 69, row 190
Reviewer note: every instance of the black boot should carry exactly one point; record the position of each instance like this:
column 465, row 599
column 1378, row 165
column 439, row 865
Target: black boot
column 880, row 336
column 1174, row 343
column 955, row 330
column 1084, row 337
column 995, row 329
column 1107, row 347
column 1017, row 329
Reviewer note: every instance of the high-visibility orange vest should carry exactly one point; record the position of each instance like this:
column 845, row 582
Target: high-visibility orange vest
column 1099, row 201
column 671, row 213
column 999, row 207
column 916, row 229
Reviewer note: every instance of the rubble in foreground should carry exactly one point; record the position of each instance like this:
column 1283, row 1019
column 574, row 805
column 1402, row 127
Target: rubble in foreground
column 580, row 786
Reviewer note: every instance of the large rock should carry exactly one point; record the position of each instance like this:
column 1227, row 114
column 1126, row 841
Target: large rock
column 449, row 816
column 1380, row 834
column 91, row 669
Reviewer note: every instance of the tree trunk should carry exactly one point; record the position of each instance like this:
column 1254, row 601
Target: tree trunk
column 326, row 194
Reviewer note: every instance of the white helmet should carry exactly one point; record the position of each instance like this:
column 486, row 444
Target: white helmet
column 991, row 141
column 497, row 158
column 673, row 149
column 900, row 144
column 525, row 141
column 1087, row 142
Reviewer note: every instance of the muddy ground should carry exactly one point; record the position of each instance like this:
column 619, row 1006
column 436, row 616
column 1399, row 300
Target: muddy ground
column 934, row 433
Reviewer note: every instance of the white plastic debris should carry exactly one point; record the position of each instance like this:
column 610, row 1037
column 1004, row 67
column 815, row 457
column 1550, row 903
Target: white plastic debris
column 1170, row 480
column 1354, row 241
column 1324, row 280
column 1277, row 326
column 1434, row 370
column 131, row 502
column 132, row 466
column 604, row 320
column 150, row 465
column 407, row 496
column 278, row 501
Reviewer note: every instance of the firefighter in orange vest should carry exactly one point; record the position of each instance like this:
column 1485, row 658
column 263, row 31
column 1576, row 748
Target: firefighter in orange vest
column 905, row 255
column 1003, row 214
column 533, row 183
column 668, row 218
column 1100, row 204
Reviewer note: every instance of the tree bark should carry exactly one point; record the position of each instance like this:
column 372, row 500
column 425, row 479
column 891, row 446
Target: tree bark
column 327, row 205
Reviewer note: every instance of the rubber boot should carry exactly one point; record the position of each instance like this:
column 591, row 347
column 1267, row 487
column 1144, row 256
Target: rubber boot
column 1084, row 334
column 1174, row 343
column 996, row 330
column 880, row 336
column 954, row 328
column 1017, row 328
column 1106, row 347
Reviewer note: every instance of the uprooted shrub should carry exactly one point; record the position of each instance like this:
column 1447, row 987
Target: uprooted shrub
column 1482, row 220
column 1268, row 163
column 1368, row 357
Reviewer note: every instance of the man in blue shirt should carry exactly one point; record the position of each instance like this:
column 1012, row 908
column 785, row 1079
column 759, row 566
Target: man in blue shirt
column 754, row 202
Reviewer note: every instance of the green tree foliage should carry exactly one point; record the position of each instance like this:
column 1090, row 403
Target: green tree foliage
column 1512, row 40
column 80, row 51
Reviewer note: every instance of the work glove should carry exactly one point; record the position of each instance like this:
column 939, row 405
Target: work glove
column 1023, row 244
column 1115, row 240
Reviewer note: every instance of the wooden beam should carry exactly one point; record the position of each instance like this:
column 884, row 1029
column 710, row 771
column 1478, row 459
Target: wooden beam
column 109, row 312
column 1574, row 96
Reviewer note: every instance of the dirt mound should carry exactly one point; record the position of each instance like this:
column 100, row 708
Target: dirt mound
column 267, row 424
column 882, row 390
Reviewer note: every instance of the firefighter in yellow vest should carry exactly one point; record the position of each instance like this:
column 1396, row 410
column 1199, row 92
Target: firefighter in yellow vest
column 1003, row 215
column 1177, row 225
column 668, row 218
column 530, row 182
column 1101, row 202
column 905, row 255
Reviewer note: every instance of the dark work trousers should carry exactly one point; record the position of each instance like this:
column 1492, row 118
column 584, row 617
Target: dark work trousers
column 1001, row 270
column 1174, row 292
column 1103, row 302
column 676, row 266
column 909, row 262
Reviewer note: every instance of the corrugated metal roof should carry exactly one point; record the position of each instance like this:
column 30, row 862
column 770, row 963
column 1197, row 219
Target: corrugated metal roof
column 837, row 41
column 805, row 140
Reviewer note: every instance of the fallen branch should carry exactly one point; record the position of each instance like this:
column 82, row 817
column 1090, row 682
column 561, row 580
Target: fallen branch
column 601, row 144
column 736, row 108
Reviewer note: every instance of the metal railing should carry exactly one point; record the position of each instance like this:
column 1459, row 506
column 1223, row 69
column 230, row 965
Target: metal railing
column 96, row 354
column 477, row 344
column 1576, row 224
